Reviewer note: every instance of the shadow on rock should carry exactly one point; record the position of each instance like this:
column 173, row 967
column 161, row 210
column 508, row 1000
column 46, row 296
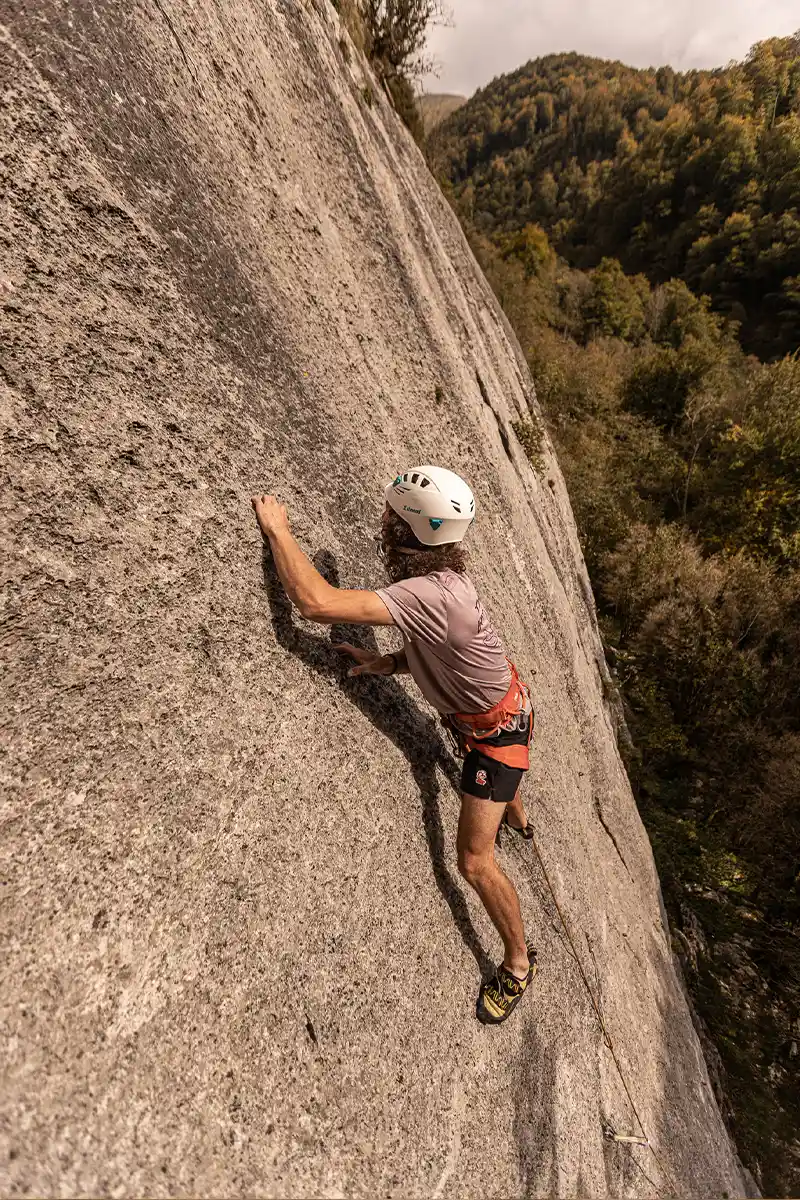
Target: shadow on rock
column 533, row 1127
column 389, row 709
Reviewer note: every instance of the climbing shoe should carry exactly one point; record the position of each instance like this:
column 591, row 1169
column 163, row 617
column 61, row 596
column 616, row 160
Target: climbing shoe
column 499, row 997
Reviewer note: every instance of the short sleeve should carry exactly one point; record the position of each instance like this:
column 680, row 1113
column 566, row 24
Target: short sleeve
column 418, row 608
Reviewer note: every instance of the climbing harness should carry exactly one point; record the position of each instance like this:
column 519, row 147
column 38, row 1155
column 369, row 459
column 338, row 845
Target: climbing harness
column 513, row 714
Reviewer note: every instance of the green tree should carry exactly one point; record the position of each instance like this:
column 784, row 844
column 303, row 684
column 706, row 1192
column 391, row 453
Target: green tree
column 754, row 481
column 531, row 247
column 674, row 314
column 614, row 306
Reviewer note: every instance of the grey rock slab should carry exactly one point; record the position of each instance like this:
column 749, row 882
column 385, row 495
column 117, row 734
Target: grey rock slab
column 237, row 956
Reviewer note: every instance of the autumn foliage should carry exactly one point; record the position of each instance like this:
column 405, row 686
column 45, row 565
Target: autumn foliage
column 693, row 176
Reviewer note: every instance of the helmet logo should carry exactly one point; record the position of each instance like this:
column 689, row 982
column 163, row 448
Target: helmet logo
column 407, row 508
column 436, row 522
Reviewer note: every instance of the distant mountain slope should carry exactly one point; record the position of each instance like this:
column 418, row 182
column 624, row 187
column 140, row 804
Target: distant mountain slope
column 437, row 108
column 694, row 175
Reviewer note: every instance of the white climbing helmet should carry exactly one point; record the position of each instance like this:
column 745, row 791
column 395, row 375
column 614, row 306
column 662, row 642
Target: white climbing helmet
column 436, row 503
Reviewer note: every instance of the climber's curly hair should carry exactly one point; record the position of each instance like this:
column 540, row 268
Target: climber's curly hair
column 397, row 536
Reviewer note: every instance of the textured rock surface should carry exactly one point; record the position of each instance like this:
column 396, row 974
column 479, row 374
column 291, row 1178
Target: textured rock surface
column 223, row 269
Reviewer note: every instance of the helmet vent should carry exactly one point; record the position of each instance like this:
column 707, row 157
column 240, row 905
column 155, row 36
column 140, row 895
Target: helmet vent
column 414, row 477
column 424, row 482
column 456, row 506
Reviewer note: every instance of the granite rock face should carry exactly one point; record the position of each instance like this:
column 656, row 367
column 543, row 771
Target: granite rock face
column 237, row 955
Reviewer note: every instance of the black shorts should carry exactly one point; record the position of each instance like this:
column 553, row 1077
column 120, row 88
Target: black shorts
column 488, row 779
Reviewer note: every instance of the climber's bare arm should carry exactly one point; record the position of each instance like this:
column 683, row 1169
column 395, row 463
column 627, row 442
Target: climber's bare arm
column 315, row 598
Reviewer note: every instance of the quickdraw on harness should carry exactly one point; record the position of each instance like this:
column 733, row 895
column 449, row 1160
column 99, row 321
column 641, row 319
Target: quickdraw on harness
column 514, row 713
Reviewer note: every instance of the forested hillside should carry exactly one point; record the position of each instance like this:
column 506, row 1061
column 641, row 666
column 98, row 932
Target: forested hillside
column 594, row 195
column 693, row 175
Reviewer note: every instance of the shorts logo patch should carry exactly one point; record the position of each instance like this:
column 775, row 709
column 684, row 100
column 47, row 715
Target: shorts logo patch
column 480, row 777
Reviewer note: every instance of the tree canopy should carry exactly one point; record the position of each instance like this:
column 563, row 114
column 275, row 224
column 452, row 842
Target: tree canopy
column 690, row 175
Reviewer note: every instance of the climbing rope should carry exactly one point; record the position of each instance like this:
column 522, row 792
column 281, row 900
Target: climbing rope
column 608, row 1131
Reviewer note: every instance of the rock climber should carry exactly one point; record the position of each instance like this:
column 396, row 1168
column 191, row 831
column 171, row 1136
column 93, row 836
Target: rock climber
column 455, row 657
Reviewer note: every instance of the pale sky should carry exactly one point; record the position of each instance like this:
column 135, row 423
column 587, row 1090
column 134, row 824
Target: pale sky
column 491, row 37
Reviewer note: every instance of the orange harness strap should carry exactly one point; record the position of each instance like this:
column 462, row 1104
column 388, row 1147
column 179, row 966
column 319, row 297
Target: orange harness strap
column 486, row 725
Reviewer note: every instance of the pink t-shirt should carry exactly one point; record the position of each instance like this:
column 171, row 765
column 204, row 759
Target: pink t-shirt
column 453, row 652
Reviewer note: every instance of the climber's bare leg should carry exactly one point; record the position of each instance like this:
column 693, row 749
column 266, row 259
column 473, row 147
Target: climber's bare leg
column 516, row 813
column 477, row 829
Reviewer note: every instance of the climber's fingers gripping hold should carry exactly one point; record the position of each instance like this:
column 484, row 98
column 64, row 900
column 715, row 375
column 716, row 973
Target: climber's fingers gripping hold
column 270, row 514
column 361, row 656
column 369, row 663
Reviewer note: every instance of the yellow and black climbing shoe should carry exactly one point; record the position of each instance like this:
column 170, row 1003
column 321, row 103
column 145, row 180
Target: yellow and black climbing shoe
column 499, row 997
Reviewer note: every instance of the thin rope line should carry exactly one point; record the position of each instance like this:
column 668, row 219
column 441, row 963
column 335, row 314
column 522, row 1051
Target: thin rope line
column 639, row 1166
column 599, row 1015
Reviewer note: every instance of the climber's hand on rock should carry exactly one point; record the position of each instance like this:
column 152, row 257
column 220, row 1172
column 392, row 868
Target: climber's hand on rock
column 368, row 662
column 270, row 514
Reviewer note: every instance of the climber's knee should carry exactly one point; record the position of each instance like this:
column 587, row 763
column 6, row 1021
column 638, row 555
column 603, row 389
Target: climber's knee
column 474, row 867
column 477, row 828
